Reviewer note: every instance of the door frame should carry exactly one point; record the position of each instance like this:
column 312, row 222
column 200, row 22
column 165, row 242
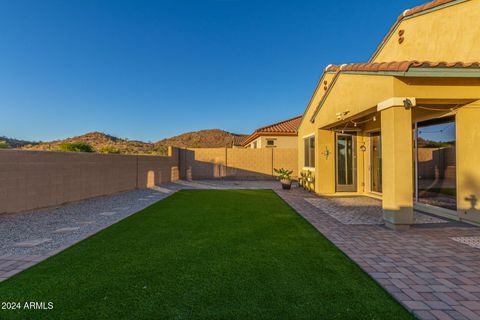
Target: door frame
column 371, row 134
column 347, row 187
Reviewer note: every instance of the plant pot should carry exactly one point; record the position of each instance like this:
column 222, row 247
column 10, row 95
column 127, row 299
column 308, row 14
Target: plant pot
column 286, row 184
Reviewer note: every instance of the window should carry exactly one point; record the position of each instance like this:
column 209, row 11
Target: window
column 309, row 146
column 254, row 145
column 270, row 142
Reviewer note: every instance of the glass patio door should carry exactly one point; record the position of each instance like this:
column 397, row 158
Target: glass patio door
column 346, row 158
column 435, row 163
column 376, row 162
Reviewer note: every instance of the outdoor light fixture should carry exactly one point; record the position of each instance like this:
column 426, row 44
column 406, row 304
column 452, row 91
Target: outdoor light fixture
column 407, row 103
column 341, row 115
column 326, row 153
column 363, row 148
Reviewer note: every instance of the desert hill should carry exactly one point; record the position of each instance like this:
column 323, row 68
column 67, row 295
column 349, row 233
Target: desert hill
column 102, row 142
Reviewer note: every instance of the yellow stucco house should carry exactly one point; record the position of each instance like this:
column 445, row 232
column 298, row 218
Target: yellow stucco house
column 282, row 134
column 404, row 126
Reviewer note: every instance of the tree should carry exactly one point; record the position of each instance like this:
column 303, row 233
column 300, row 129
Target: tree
column 76, row 146
column 4, row 144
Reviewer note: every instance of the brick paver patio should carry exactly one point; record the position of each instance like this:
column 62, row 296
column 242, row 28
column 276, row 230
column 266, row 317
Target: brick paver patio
column 429, row 273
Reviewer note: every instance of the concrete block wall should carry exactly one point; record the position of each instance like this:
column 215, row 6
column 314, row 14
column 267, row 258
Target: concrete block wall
column 241, row 164
column 37, row 179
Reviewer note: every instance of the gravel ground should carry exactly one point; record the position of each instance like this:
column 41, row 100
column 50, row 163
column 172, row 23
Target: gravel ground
column 63, row 226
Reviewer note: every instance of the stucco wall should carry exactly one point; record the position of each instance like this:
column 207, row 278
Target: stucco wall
column 36, row 179
column 243, row 164
column 288, row 142
column 448, row 34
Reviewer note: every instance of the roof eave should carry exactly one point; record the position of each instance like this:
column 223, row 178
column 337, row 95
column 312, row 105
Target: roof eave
column 412, row 72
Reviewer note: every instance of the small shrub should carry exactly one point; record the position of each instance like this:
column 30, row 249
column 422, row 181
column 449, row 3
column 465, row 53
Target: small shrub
column 76, row 146
column 283, row 173
column 108, row 149
column 4, row 144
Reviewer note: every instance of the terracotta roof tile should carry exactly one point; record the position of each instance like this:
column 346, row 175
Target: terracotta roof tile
column 286, row 126
column 238, row 139
column 399, row 66
column 407, row 13
column 423, row 7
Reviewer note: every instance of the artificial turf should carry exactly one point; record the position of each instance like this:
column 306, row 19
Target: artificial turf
column 203, row 254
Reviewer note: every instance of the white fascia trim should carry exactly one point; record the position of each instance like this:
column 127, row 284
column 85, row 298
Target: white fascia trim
column 395, row 102
column 308, row 135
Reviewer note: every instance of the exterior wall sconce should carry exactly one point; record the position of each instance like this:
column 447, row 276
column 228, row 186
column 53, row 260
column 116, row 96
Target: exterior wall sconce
column 363, row 148
column 326, row 153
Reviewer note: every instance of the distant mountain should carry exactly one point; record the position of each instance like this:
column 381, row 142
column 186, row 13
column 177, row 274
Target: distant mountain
column 15, row 143
column 212, row 138
column 102, row 142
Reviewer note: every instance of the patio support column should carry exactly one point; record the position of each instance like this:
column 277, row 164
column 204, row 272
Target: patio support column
column 468, row 159
column 397, row 165
column 325, row 162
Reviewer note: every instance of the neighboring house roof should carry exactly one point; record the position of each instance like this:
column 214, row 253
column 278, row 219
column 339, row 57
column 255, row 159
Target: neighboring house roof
column 410, row 12
column 238, row 139
column 285, row 128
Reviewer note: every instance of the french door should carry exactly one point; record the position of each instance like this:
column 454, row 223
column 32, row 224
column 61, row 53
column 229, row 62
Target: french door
column 346, row 162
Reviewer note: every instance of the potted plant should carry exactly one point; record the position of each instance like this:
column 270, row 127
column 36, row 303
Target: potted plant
column 284, row 176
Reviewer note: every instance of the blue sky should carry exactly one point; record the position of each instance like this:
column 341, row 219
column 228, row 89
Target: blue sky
column 153, row 69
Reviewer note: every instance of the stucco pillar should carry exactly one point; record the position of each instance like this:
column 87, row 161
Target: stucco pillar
column 325, row 162
column 468, row 159
column 397, row 167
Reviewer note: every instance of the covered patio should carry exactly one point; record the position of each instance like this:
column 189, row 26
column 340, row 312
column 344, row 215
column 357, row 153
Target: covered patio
column 403, row 132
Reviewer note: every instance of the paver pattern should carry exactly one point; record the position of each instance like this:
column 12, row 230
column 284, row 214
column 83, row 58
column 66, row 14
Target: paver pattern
column 473, row 242
column 361, row 210
column 432, row 275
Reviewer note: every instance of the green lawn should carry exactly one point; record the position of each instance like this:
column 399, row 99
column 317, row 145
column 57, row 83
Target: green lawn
column 204, row 254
